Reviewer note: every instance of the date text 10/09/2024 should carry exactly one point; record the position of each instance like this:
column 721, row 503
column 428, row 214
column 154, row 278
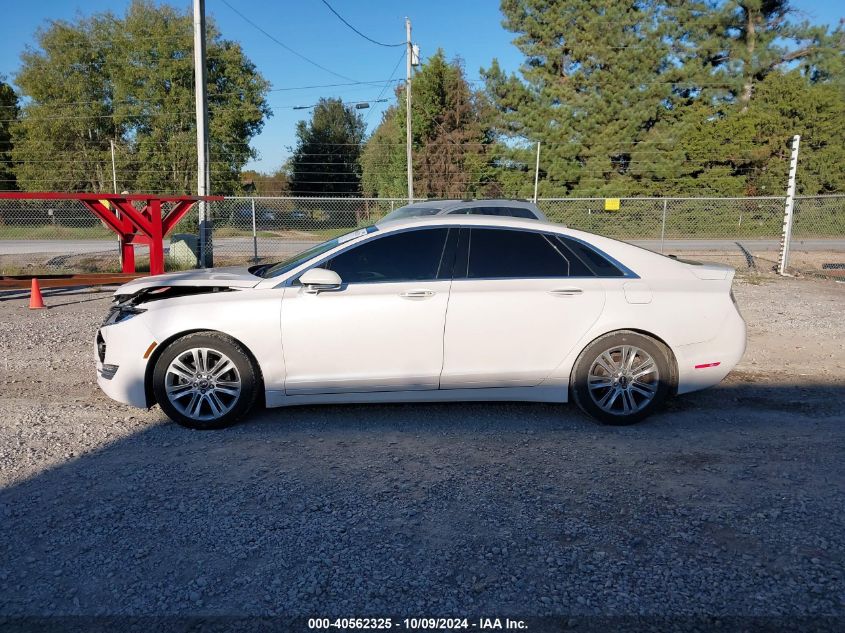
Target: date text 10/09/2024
column 482, row 624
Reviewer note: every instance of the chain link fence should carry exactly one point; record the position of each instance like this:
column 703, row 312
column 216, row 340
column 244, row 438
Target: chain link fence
column 40, row 236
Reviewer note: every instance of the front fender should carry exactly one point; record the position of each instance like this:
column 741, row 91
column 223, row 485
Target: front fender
column 251, row 317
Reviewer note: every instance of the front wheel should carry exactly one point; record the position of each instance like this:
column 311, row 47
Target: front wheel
column 204, row 381
column 621, row 378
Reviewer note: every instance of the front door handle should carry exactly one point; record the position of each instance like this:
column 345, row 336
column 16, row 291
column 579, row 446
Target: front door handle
column 566, row 292
column 416, row 294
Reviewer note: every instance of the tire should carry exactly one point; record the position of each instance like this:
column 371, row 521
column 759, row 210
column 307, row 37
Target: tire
column 637, row 395
column 204, row 399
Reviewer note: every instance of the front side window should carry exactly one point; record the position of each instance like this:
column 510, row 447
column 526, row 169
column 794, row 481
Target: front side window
column 503, row 254
column 287, row 265
column 407, row 256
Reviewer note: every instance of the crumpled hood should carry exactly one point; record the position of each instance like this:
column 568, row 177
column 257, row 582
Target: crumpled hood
column 231, row 277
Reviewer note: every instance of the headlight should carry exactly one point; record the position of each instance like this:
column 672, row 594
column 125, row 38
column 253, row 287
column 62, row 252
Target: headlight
column 119, row 314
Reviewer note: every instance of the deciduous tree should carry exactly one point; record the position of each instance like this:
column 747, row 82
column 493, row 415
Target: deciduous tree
column 8, row 115
column 130, row 79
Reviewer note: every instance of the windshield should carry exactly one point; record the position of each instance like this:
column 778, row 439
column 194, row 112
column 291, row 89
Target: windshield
column 280, row 268
column 411, row 211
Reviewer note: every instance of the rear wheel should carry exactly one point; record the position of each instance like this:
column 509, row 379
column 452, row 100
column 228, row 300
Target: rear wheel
column 621, row 378
column 205, row 381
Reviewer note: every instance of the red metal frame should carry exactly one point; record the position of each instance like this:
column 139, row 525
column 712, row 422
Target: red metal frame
column 133, row 226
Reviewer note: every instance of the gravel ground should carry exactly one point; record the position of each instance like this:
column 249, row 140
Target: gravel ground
column 731, row 502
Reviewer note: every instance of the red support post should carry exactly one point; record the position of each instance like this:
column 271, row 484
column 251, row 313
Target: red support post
column 156, row 237
column 178, row 211
column 128, row 255
column 134, row 227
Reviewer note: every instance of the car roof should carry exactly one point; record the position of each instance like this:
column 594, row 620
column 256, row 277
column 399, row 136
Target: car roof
column 494, row 221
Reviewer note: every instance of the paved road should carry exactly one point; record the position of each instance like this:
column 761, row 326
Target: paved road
column 281, row 247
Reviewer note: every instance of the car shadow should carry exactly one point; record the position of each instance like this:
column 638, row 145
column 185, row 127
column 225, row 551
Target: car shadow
column 432, row 509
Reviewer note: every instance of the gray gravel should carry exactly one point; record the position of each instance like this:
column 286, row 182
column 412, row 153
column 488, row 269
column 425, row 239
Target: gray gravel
column 732, row 501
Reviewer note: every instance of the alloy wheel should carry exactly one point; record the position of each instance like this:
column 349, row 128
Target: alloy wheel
column 623, row 380
column 202, row 383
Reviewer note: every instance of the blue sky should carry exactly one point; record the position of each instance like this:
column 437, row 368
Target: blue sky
column 470, row 29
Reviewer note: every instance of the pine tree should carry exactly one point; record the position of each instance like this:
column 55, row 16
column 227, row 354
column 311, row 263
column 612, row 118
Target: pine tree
column 451, row 137
column 738, row 43
column 628, row 98
column 595, row 78
column 325, row 161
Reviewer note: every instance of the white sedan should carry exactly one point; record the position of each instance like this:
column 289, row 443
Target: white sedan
column 427, row 309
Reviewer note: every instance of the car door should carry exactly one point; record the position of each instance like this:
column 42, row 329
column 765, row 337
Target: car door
column 520, row 301
column 383, row 329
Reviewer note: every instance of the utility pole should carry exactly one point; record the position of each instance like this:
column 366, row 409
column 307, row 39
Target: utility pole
column 790, row 205
column 116, row 211
column 408, row 135
column 113, row 170
column 537, row 172
column 203, row 185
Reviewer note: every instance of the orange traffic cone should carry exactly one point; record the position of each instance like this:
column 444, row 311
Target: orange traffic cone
column 35, row 300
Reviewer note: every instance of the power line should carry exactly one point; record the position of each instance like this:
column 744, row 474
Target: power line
column 285, row 46
column 389, row 81
column 353, row 83
column 366, row 37
column 133, row 115
column 141, row 102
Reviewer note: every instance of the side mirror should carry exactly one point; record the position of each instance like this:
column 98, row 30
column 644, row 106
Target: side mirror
column 318, row 280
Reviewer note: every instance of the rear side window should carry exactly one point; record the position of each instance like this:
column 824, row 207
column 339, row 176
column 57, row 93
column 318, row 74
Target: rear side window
column 597, row 264
column 405, row 256
column 512, row 212
column 504, row 254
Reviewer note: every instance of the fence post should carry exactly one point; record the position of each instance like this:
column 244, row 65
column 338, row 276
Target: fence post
column 663, row 225
column 254, row 234
column 790, row 205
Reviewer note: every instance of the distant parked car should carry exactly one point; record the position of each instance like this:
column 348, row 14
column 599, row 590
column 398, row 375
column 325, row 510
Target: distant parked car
column 506, row 208
column 263, row 217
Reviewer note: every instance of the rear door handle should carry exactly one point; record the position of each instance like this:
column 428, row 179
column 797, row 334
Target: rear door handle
column 416, row 294
column 566, row 292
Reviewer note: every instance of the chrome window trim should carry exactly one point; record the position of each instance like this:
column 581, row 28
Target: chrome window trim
column 627, row 273
column 377, row 235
